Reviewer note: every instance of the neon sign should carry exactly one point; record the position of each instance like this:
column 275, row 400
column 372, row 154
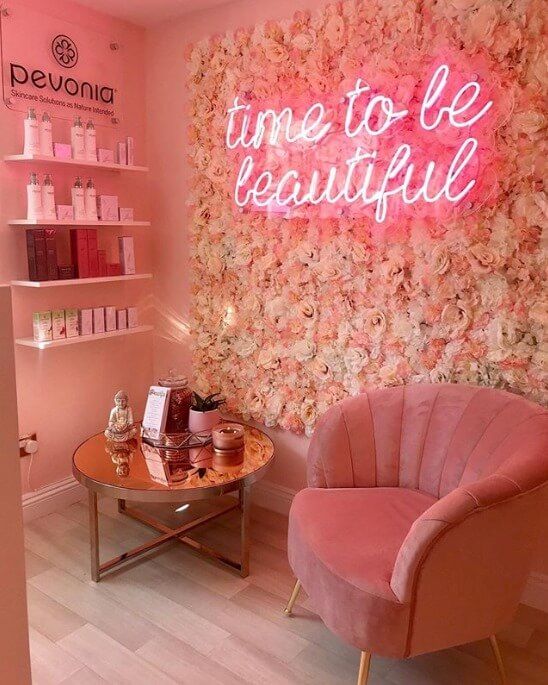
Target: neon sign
column 383, row 148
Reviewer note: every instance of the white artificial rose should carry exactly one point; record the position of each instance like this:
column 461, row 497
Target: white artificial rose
column 244, row 345
column 374, row 322
column 483, row 258
column 273, row 408
column 539, row 312
column 276, row 308
column 308, row 412
column 440, row 260
column 269, row 358
column 303, row 350
column 306, row 310
column 205, row 339
column 456, row 316
column 355, row 358
column 320, row 368
column 307, row 254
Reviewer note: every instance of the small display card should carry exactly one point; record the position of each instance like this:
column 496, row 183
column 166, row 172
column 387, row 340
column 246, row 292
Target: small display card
column 154, row 421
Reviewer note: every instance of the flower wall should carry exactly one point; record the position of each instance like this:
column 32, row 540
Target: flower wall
column 293, row 313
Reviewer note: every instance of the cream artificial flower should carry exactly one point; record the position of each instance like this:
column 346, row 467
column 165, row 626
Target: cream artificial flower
column 483, row 258
column 303, row 350
column 440, row 260
column 355, row 358
column 306, row 310
column 456, row 316
column 320, row 368
column 307, row 254
column 244, row 345
column 269, row 358
column 374, row 323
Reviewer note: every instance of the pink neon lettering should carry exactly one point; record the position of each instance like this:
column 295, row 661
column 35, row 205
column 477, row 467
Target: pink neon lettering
column 350, row 154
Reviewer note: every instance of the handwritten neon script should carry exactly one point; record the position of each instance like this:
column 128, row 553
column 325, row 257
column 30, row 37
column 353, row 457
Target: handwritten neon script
column 369, row 149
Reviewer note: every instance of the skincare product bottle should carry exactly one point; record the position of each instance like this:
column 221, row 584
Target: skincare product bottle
column 34, row 198
column 46, row 137
column 90, row 201
column 48, row 199
column 78, row 204
column 90, row 142
column 130, row 150
column 32, row 134
column 77, row 139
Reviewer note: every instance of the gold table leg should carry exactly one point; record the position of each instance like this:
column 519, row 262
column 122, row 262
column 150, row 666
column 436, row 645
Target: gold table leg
column 94, row 535
column 363, row 674
column 289, row 608
column 245, row 502
column 498, row 658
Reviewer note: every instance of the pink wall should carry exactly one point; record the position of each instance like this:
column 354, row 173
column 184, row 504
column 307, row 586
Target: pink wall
column 14, row 648
column 65, row 394
column 167, row 100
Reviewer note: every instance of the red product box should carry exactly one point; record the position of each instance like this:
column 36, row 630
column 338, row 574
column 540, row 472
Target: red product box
column 31, row 255
column 92, row 253
column 79, row 251
column 102, row 259
column 51, row 254
column 40, row 254
column 114, row 269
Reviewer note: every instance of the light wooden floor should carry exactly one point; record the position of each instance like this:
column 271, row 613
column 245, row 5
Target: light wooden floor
column 177, row 618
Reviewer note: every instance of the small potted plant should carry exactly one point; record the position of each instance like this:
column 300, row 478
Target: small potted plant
column 204, row 412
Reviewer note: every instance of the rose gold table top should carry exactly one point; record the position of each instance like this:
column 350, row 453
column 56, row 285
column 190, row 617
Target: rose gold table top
column 137, row 471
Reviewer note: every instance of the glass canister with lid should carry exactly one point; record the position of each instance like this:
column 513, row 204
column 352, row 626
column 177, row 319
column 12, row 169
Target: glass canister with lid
column 179, row 401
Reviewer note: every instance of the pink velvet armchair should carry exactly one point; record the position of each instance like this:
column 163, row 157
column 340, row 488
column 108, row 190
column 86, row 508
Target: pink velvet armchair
column 418, row 526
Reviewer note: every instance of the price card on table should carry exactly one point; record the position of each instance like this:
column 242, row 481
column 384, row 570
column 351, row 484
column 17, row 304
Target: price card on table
column 154, row 421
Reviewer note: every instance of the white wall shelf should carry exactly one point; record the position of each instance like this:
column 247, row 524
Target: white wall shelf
column 74, row 162
column 55, row 222
column 30, row 342
column 79, row 281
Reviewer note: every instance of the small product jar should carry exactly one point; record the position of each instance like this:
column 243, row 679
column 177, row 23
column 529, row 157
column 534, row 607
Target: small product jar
column 228, row 436
column 179, row 402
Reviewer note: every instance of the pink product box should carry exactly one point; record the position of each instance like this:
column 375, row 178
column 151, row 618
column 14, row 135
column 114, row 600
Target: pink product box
column 85, row 321
column 121, row 319
column 127, row 254
column 99, row 320
column 65, row 213
column 132, row 318
column 122, row 153
column 110, row 318
column 126, row 213
column 107, row 207
column 105, row 156
column 62, row 150
column 130, row 145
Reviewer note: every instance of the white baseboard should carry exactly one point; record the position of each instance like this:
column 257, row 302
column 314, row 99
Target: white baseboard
column 536, row 591
column 52, row 498
column 272, row 496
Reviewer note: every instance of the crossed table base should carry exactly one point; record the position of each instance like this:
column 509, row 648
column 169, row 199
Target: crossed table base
column 98, row 569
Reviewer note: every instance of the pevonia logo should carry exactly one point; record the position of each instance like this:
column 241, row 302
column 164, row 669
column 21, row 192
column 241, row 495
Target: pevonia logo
column 388, row 145
column 64, row 51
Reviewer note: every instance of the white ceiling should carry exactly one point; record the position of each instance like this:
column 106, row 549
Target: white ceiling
column 149, row 12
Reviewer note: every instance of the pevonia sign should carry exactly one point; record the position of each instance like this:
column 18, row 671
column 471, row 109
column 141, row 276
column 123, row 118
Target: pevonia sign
column 56, row 66
column 391, row 145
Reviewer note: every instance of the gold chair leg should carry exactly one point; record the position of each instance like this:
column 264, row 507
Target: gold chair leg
column 365, row 662
column 498, row 659
column 293, row 598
